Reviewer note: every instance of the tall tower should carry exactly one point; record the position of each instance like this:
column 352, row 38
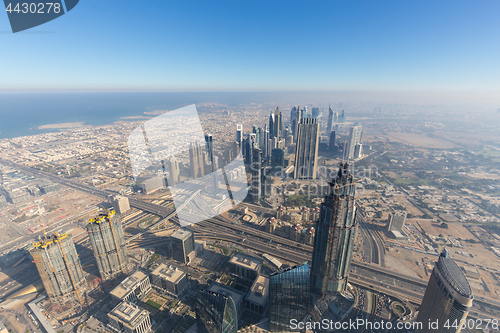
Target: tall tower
column 289, row 291
column 278, row 122
column 330, row 121
column 306, row 150
column 272, row 134
column 58, row 265
column 196, row 159
column 335, row 233
column 256, row 169
column 448, row 297
column 215, row 313
column 354, row 139
column 174, row 171
column 108, row 243
column 239, row 133
column 209, row 146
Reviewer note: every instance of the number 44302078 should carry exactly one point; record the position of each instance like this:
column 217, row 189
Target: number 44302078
column 34, row 8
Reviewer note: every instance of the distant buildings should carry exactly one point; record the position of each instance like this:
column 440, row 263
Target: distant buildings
column 306, row 151
column 196, row 159
column 354, row 139
column 239, row 134
column 152, row 184
column 358, row 150
column 329, row 124
column 448, row 297
column 58, row 264
column 275, row 124
column 215, row 313
column 289, row 297
column 173, row 168
column 169, row 280
column 335, row 233
column 108, row 244
column 182, row 245
column 257, row 174
column 331, row 143
column 277, row 159
column 129, row 318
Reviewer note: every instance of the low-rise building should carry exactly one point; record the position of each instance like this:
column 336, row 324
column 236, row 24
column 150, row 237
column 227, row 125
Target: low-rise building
column 245, row 266
column 169, row 280
column 134, row 287
column 258, row 295
column 129, row 318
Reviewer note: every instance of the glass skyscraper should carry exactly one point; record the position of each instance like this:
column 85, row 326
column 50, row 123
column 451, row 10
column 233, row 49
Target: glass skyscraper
column 448, row 297
column 289, row 296
column 215, row 313
column 335, row 233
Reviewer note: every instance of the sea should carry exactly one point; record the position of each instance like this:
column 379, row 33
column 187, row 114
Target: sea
column 22, row 113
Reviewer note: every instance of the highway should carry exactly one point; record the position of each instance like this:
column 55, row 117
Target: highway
column 223, row 229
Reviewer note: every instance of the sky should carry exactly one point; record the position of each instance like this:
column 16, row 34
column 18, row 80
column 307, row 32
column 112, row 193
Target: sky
column 240, row 45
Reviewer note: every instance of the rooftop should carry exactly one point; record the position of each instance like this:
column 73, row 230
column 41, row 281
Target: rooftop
column 236, row 295
column 259, row 292
column 128, row 284
column 169, row 273
column 181, row 234
column 454, row 276
column 128, row 313
column 246, row 261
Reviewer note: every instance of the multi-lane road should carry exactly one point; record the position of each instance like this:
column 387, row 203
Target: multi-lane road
column 369, row 276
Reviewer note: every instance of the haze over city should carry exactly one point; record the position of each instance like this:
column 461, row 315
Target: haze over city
column 250, row 166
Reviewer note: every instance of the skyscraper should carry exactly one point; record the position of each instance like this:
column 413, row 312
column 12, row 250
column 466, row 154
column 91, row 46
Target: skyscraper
column 173, row 171
column 330, row 121
column 181, row 245
column 196, row 159
column 266, row 149
column 215, row 313
column 448, row 297
column 58, row 264
column 354, row 139
column 209, row 146
column 256, row 170
column 289, row 296
column 331, row 144
column 306, row 151
column 314, row 112
column 239, row 133
column 108, row 243
column 335, row 233
column 275, row 124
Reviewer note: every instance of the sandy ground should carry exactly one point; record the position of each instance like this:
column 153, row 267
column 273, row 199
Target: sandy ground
column 418, row 140
column 20, row 328
column 398, row 266
column 454, row 229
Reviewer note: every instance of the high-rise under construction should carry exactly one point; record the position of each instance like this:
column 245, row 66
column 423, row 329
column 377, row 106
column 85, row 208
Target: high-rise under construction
column 58, row 265
column 108, row 243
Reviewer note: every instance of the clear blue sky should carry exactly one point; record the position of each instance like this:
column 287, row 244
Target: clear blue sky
column 254, row 45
